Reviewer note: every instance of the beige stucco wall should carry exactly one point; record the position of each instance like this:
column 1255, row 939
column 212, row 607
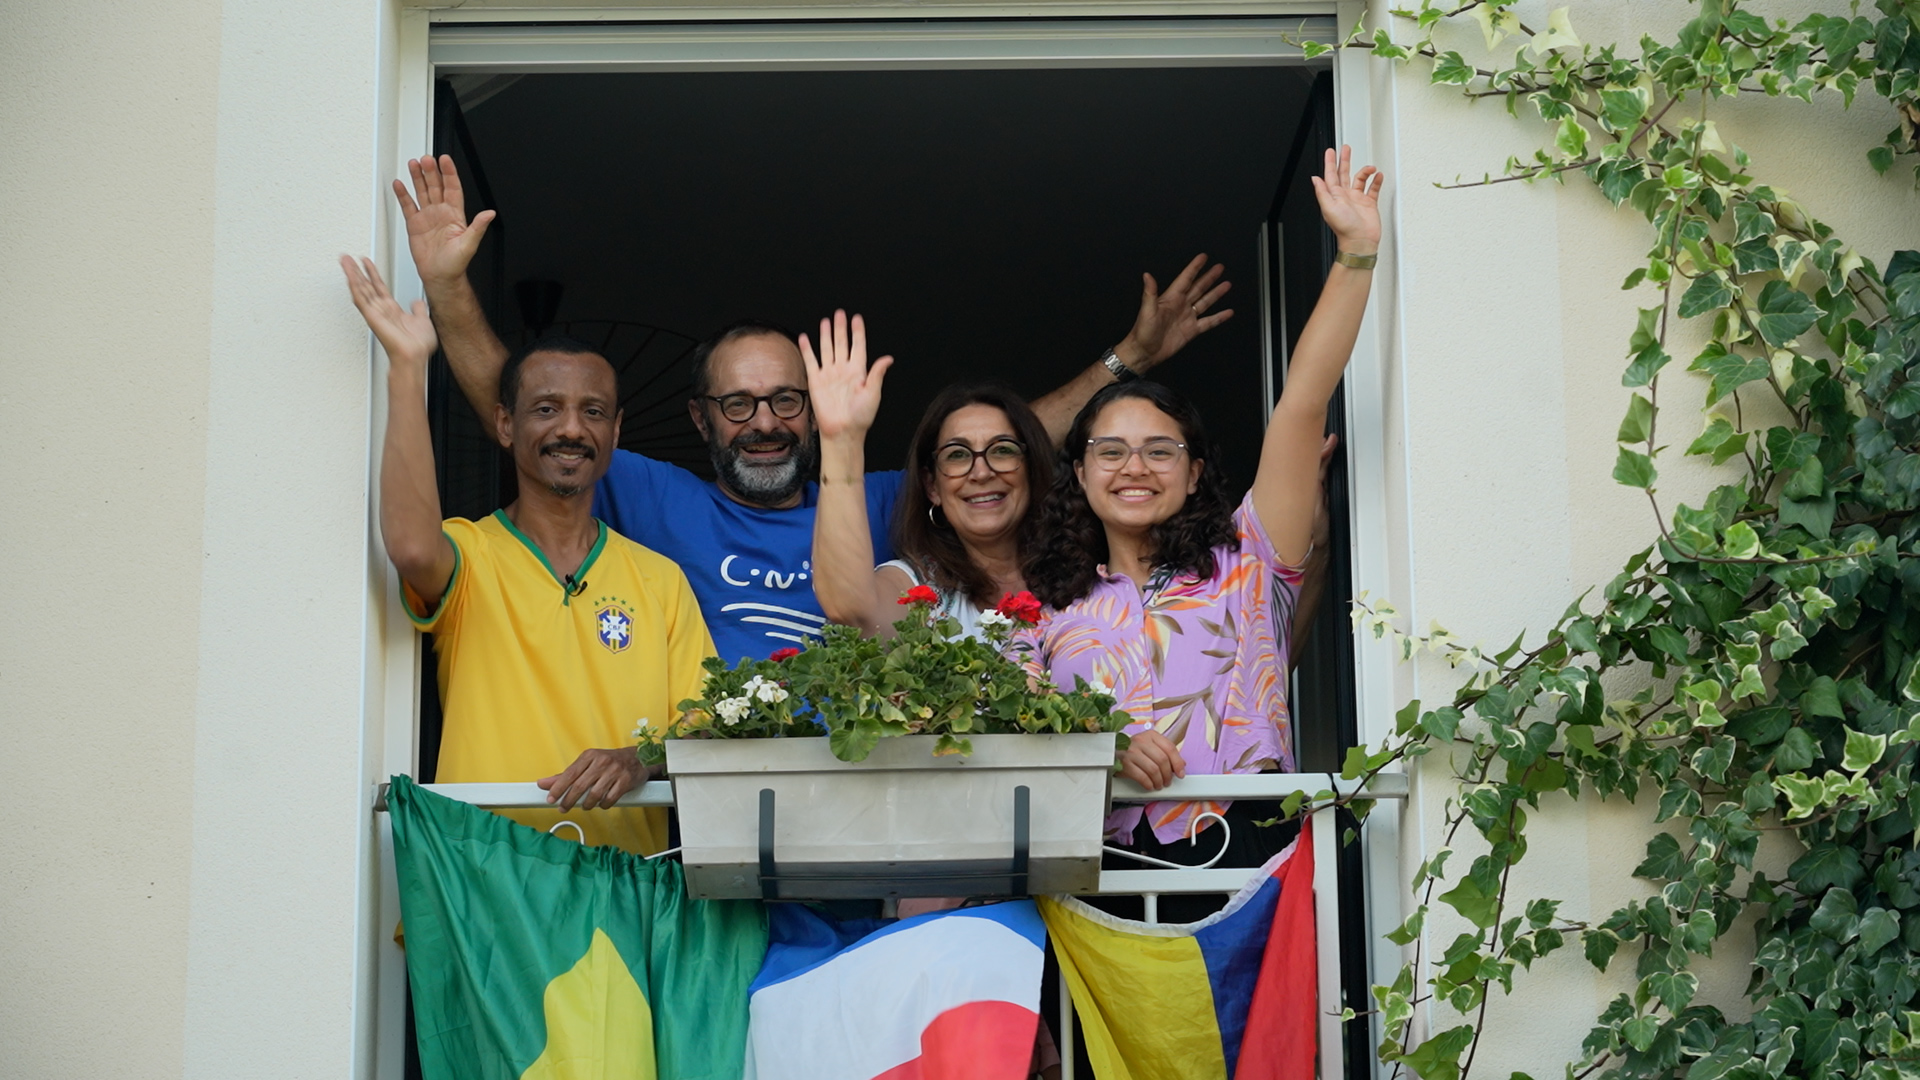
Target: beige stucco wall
column 184, row 409
column 107, row 129
column 1510, row 340
column 193, row 685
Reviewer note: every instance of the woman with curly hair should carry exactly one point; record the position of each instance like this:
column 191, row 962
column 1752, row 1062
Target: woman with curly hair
column 979, row 460
column 1159, row 589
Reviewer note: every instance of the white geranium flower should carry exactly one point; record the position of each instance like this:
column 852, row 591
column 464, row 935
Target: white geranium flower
column 770, row 692
column 732, row 710
column 994, row 620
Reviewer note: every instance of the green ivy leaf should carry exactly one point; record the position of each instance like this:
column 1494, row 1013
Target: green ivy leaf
column 1669, row 641
column 1451, row 68
column 1621, row 110
column 1709, row 292
column 1675, row 989
column 1720, row 440
column 1634, row 469
column 1572, row 138
column 1795, row 751
column 1664, row 861
column 1439, row 1057
column 1785, row 313
column 1863, row 751
column 1836, row 916
column 1640, row 1032
column 1741, row 541
column 1409, row 931
column 1822, row 699
column 1600, row 946
column 1878, row 928
column 1729, row 370
column 1638, row 422
column 1827, row 865
column 1804, row 796
column 1474, row 903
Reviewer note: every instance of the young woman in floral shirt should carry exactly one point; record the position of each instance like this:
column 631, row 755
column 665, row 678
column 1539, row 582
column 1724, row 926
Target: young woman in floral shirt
column 1159, row 589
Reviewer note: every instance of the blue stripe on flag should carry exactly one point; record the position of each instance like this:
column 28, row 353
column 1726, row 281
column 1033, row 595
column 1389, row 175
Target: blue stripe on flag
column 801, row 939
column 1233, row 948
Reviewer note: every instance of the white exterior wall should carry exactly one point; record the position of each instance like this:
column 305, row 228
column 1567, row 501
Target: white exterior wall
column 196, row 701
column 1511, row 339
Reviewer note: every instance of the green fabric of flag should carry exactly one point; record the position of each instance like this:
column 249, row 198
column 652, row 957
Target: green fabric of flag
column 532, row 957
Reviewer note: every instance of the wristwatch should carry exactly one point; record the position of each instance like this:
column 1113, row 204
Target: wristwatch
column 1121, row 372
column 1358, row 262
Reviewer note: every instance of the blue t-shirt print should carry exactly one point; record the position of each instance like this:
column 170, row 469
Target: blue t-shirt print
column 751, row 569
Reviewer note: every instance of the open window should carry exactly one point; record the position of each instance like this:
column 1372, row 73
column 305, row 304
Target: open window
column 986, row 194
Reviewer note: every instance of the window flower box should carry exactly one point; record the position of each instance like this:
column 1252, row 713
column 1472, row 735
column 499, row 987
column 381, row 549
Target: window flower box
column 900, row 822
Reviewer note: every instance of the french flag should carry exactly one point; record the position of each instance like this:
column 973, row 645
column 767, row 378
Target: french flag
column 952, row 995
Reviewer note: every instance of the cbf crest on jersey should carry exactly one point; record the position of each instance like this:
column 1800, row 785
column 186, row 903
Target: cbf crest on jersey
column 612, row 624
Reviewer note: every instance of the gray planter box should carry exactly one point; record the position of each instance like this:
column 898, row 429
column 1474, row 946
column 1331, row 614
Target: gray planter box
column 901, row 823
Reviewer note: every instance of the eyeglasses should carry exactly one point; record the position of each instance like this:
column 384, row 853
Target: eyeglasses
column 1158, row 454
column 956, row 459
column 739, row 408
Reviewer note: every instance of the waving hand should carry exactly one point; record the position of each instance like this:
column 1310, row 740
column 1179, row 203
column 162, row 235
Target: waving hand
column 438, row 233
column 845, row 391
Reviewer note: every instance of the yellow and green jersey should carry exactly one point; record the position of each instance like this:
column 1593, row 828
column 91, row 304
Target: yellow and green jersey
column 533, row 670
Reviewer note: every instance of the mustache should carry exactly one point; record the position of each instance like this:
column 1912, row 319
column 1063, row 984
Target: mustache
column 763, row 439
column 570, row 445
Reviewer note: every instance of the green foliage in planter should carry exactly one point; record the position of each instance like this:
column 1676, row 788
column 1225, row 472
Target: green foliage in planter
column 926, row 680
column 1775, row 626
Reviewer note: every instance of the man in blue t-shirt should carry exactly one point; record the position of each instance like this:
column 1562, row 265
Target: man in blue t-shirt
column 745, row 540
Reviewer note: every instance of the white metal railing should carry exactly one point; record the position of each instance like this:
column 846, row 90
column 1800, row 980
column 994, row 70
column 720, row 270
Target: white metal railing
column 1147, row 884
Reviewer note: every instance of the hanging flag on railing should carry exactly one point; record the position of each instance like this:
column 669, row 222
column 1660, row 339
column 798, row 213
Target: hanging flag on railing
column 1232, row 996
column 955, row 994
column 534, row 958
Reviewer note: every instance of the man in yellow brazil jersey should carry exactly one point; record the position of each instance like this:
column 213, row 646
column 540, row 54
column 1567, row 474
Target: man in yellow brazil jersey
column 556, row 635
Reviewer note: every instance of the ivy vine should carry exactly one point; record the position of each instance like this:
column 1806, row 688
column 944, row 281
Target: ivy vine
column 1775, row 627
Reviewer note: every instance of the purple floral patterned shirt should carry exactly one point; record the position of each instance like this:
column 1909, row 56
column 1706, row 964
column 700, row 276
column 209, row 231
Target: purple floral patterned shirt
column 1202, row 661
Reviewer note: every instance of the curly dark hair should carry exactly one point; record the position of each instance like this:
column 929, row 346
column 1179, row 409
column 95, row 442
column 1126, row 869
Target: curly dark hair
column 935, row 551
column 1061, row 566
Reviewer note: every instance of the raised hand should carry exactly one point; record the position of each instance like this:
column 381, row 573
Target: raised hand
column 1350, row 205
column 844, row 390
column 407, row 336
column 1169, row 320
column 438, row 233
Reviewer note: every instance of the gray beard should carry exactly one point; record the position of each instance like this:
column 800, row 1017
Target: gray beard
column 764, row 485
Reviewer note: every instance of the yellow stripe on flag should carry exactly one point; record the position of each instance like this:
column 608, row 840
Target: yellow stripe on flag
column 598, row 1024
column 1153, row 1018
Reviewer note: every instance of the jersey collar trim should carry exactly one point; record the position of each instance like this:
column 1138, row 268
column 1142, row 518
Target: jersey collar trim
column 593, row 553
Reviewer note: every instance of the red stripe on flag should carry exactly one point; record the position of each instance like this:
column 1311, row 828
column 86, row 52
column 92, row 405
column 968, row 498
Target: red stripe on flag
column 981, row 1040
column 1281, row 1042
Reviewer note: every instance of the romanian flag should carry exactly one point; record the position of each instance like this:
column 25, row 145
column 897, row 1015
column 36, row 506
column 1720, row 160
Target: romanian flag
column 1231, row 997
column 534, row 958
column 953, row 995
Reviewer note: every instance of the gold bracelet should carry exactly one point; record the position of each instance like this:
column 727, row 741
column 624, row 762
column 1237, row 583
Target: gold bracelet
column 1358, row 262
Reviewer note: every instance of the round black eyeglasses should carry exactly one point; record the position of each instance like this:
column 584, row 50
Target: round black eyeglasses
column 739, row 408
column 956, row 459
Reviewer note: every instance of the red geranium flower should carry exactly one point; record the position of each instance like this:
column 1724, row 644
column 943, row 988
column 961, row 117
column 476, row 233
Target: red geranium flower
column 784, row 654
column 1021, row 607
column 920, row 594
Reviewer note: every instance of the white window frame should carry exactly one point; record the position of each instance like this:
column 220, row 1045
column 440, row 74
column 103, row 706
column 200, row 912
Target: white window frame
column 1034, row 33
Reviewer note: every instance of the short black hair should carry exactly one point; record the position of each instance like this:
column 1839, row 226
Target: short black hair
column 553, row 343
column 702, row 379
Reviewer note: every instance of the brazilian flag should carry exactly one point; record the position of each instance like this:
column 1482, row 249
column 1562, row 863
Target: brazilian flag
column 534, row 958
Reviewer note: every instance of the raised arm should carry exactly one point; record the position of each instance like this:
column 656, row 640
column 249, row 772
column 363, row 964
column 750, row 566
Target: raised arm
column 1167, row 321
column 1287, row 486
column 443, row 242
column 409, row 494
column 846, row 396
